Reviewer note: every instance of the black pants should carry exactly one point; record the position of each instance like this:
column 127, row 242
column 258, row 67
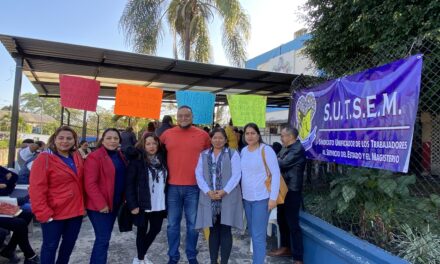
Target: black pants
column 292, row 204
column 147, row 232
column 282, row 224
column 19, row 226
column 220, row 236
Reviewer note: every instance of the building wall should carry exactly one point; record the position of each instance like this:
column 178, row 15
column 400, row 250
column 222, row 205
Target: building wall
column 293, row 62
column 287, row 58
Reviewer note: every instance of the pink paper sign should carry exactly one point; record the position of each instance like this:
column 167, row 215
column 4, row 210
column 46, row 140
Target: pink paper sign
column 79, row 93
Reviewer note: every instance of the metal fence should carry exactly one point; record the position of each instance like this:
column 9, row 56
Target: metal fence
column 398, row 212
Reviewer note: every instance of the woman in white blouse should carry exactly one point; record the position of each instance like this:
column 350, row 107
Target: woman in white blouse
column 220, row 202
column 257, row 200
column 145, row 192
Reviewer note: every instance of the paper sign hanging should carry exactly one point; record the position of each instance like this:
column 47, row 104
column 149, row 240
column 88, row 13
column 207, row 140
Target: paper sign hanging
column 138, row 101
column 247, row 108
column 201, row 103
column 79, row 93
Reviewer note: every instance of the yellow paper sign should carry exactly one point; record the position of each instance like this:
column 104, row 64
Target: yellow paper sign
column 138, row 101
column 247, row 108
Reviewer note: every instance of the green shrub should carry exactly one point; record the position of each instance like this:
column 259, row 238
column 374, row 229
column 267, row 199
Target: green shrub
column 418, row 246
column 4, row 144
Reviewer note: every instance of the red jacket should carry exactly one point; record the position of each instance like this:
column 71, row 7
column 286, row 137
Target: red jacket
column 99, row 179
column 55, row 190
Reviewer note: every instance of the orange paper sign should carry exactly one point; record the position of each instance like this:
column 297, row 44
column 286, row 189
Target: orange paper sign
column 138, row 101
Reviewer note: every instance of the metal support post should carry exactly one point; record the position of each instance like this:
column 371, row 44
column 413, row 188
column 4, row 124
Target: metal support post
column 15, row 111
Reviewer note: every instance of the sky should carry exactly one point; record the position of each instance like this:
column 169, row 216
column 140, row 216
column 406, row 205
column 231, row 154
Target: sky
column 96, row 23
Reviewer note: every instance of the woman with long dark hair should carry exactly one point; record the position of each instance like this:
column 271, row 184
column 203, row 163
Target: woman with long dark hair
column 104, row 178
column 220, row 203
column 257, row 160
column 145, row 192
column 56, row 191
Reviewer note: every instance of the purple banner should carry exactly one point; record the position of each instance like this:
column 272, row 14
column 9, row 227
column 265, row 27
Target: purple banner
column 366, row 119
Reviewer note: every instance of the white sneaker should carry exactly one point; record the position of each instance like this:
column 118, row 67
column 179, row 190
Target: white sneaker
column 138, row 261
column 147, row 261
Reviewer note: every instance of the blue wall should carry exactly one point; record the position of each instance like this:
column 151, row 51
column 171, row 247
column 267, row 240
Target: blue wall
column 325, row 243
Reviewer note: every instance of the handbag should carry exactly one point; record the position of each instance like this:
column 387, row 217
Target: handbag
column 283, row 186
column 125, row 218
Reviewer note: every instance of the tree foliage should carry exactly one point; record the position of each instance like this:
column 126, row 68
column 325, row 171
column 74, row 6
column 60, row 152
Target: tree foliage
column 32, row 103
column 357, row 31
column 143, row 24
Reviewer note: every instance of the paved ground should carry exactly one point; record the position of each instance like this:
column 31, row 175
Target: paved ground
column 123, row 248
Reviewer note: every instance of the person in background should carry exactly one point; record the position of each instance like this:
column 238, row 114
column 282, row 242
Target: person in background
column 128, row 138
column 257, row 199
column 56, row 191
column 241, row 143
column 104, row 181
column 3, row 234
column 183, row 143
column 276, row 146
column 25, row 170
column 151, row 127
column 19, row 226
column 292, row 162
column 220, row 202
column 8, row 179
column 84, row 149
column 27, row 150
column 167, row 123
column 145, row 192
column 206, row 129
column 284, row 250
column 232, row 138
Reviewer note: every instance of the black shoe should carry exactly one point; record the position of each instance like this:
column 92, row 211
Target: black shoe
column 13, row 259
column 34, row 260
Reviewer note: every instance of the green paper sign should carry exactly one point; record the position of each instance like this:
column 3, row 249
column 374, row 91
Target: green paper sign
column 247, row 108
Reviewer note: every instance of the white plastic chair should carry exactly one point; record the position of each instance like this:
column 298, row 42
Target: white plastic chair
column 273, row 221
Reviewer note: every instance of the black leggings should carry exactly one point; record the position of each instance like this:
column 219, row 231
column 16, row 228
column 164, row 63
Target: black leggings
column 18, row 225
column 220, row 235
column 144, row 239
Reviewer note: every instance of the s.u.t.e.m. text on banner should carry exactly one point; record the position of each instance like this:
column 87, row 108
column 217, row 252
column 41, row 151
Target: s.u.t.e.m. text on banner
column 366, row 119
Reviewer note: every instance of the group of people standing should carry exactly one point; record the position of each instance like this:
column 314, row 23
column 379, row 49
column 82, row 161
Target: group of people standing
column 184, row 171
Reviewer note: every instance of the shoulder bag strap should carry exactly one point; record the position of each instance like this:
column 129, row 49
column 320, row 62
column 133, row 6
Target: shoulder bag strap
column 268, row 180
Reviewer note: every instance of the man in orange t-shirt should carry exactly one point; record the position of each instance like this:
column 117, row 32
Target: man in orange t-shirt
column 183, row 143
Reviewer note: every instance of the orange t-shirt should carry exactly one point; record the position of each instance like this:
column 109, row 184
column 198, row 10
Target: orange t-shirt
column 183, row 149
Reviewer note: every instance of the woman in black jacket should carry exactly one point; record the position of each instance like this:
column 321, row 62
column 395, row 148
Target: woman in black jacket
column 145, row 192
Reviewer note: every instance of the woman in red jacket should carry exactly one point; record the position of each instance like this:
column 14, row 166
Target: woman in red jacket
column 104, row 177
column 56, row 191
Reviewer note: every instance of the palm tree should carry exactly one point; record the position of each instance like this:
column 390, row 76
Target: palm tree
column 143, row 21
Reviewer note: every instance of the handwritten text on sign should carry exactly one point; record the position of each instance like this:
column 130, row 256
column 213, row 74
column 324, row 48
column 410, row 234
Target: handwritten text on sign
column 138, row 101
column 79, row 93
column 248, row 108
column 201, row 103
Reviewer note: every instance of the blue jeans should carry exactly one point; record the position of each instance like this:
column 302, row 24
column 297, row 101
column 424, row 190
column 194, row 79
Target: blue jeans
column 103, row 225
column 68, row 229
column 257, row 216
column 181, row 198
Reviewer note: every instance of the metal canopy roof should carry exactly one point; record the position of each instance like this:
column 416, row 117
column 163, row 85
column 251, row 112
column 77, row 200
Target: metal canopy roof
column 45, row 60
